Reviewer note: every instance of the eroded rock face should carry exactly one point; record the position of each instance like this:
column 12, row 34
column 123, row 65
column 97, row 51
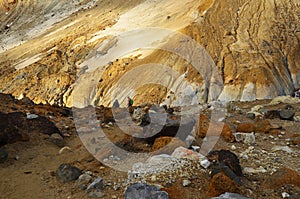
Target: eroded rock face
column 254, row 46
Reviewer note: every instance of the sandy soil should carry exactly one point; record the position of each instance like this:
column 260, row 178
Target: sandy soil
column 30, row 169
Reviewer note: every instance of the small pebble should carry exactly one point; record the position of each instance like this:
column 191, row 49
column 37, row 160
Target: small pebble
column 186, row 183
column 285, row 195
column 233, row 147
column 205, row 163
column 62, row 150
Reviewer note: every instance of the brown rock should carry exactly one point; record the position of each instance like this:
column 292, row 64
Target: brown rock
column 245, row 127
column 227, row 133
column 167, row 144
column 283, row 177
column 221, row 183
column 262, row 126
column 204, row 125
column 296, row 139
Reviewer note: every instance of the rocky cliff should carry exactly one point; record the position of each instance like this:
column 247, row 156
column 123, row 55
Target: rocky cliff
column 93, row 52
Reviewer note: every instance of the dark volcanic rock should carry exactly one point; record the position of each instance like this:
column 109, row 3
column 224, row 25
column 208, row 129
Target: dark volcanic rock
column 3, row 155
column 67, row 173
column 143, row 191
column 16, row 127
column 287, row 114
column 226, row 158
column 13, row 128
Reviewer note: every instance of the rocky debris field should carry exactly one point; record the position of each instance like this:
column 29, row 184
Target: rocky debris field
column 256, row 156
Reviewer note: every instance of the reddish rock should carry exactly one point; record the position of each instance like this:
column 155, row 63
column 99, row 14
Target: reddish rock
column 167, row 144
column 204, row 124
column 245, row 127
column 221, row 183
column 227, row 133
column 296, row 139
column 283, row 177
column 262, row 126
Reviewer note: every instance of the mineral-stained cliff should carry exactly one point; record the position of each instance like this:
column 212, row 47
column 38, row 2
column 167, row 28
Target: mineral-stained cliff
column 93, row 52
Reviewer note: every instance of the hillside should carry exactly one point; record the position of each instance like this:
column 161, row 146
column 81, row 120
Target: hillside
column 252, row 47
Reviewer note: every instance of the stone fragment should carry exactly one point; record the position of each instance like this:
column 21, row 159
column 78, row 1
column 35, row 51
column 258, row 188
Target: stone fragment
column 285, row 195
column 182, row 152
column 84, row 178
column 96, row 194
column 287, row 114
column 97, row 184
column 186, row 183
column 221, row 183
column 31, row 116
column 57, row 139
column 67, row 173
column 247, row 138
column 249, row 170
column 245, row 127
column 282, row 148
column 140, row 190
column 62, row 150
column 205, row 163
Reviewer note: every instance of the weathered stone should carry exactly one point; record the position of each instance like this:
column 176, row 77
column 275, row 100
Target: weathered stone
column 84, row 178
column 139, row 190
column 67, row 173
column 247, row 138
column 31, row 116
column 96, row 194
column 182, row 152
column 230, row 196
column 287, row 114
column 97, row 184
column 3, row 155
column 249, row 170
column 226, row 158
column 57, row 139
column 186, row 183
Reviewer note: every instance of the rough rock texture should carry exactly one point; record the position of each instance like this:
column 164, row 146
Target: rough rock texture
column 254, row 45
